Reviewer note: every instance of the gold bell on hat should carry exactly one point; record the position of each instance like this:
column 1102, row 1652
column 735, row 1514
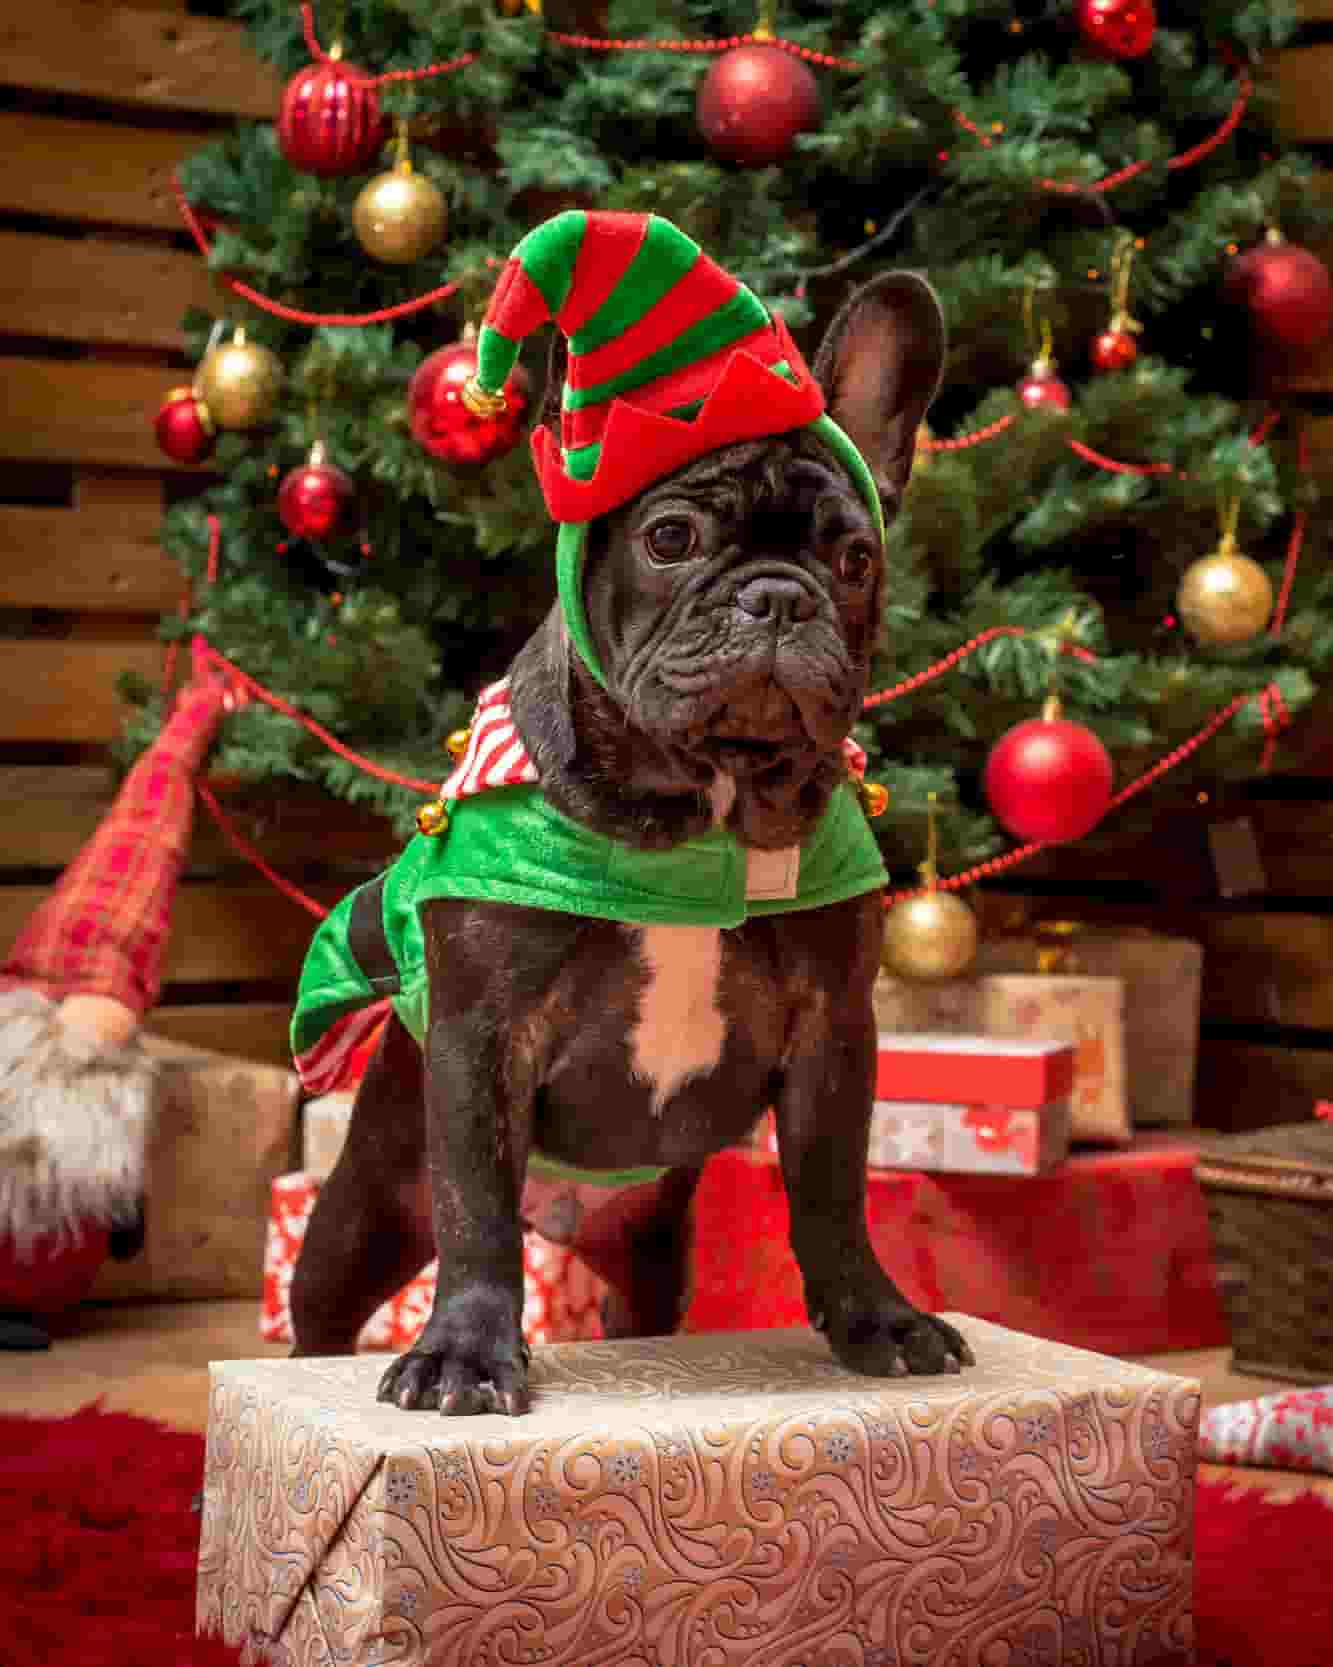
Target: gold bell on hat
column 874, row 797
column 456, row 745
column 433, row 818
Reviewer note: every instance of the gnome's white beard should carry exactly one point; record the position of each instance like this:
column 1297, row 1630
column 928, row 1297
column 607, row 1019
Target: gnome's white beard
column 75, row 1117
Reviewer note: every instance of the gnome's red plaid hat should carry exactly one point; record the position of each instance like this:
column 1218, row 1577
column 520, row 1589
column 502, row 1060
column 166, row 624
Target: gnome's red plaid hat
column 103, row 930
column 670, row 357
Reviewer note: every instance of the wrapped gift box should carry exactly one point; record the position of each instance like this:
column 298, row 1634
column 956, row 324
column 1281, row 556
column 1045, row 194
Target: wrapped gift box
column 1162, row 976
column 979, row 1104
column 224, row 1128
column 324, row 1124
column 723, row 1500
column 1110, row 1251
column 1085, row 1011
column 562, row 1298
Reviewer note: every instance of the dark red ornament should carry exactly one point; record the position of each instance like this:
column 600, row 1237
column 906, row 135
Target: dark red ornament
column 444, row 425
column 753, row 102
column 329, row 122
column 1113, row 350
column 314, row 498
column 1286, row 290
column 1042, row 389
column 1048, row 778
column 1117, row 28
column 183, row 427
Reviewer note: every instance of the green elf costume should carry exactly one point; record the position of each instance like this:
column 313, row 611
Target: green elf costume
column 670, row 358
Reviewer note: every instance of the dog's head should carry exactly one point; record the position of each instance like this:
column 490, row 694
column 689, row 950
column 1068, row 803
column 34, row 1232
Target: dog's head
column 733, row 606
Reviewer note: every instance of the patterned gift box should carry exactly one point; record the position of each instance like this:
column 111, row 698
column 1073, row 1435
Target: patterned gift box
column 723, row 1500
column 1163, row 978
column 324, row 1124
column 1085, row 1011
column 968, row 1104
column 1292, row 1430
column 1110, row 1251
column 562, row 1298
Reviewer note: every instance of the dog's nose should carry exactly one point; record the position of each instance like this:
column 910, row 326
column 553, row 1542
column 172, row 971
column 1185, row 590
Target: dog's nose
column 787, row 601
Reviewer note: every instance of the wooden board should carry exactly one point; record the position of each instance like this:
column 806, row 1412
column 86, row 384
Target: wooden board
column 46, row 815
column 103, row 554
column 219, row 934
column 82, row 411
column 93, row 289
column 57, row 690
column 92, row 172
column 130, row 55
column 1301, row 75
column 1175, row 858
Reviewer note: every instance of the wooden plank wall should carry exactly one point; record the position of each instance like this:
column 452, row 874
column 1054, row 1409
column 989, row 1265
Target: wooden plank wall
column 97, row 103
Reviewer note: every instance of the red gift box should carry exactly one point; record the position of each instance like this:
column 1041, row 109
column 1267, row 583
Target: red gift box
column 562, row 1298
column 983, row 1070
column 1109, row 1252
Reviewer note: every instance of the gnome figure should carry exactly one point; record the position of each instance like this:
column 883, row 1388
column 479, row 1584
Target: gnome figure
column 76, row 1086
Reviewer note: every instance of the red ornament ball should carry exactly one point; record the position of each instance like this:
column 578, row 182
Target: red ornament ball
column 753, row 102
column 183, row 427
column 444, row 425
column 1287, row 291
column 314, row 498
column 1042, row 389
column 329, row 122
column 1113, row 350
column 1117, row 28
column 1048, row 779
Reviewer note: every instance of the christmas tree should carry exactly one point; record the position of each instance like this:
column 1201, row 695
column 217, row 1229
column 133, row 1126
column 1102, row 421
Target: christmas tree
column 1112, row 502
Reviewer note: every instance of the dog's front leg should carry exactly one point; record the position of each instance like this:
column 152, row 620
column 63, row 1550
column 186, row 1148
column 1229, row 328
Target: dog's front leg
column 471, row 1356
column 823, row 1118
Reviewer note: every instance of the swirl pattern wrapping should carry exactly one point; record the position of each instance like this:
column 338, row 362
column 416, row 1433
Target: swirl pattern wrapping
column 708, row 1501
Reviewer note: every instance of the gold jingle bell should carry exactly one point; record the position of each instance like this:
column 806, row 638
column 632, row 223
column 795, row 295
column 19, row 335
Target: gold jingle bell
column 456, row 745
column 433, row 818
column 874, row 797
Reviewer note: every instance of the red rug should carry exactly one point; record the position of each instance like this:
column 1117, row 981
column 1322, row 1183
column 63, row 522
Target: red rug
column 98, row 1543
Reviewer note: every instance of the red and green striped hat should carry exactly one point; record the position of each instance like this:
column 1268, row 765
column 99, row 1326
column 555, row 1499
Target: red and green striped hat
column 670, row 357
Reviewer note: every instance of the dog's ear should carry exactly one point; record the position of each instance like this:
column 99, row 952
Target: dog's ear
column 879, row 366
column 541, row 693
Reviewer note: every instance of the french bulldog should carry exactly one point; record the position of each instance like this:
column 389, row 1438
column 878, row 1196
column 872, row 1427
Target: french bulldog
column 734, row 606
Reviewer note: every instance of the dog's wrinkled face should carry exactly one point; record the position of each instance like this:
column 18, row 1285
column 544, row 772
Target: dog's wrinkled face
column 734, row 607
column 737, row 603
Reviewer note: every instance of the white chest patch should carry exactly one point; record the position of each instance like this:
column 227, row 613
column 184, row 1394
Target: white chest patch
column 680, row 1030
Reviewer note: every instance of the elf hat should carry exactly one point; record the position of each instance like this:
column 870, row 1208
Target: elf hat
column 103, row 929
column 670, row 358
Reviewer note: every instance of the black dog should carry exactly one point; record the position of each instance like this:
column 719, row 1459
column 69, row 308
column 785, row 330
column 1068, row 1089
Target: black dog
column 734, row 607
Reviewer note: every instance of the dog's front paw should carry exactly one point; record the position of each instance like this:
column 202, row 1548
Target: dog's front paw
column 470, row 1358
column 894, row 1340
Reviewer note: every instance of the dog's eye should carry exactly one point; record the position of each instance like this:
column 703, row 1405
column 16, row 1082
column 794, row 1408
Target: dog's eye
column 854, row 562
column 671, row 540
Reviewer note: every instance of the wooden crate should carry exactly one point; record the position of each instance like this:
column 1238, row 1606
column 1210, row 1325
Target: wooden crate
column 93, row 283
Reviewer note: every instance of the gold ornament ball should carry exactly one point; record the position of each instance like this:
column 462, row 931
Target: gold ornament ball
column 399, row 216
column 433, row 818
column 933, row 935
column 456, row 745
column 239, row 382
column 1225, row 598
